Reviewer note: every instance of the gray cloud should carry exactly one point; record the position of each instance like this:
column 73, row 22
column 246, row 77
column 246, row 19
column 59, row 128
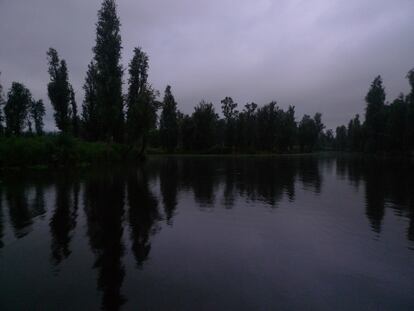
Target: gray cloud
column 318, row 55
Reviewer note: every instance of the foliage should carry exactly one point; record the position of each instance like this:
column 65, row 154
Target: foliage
column 59, row 90
column 108, row 75
column 169, row 121
column 16, row 109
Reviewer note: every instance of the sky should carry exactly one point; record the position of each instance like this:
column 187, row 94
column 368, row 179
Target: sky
column 317, row 55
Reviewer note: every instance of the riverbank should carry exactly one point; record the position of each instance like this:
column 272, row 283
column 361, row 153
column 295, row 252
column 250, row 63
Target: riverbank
column 57, row 150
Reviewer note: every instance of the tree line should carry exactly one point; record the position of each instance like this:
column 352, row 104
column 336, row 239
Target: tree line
column 133, row 118
column 388, row 127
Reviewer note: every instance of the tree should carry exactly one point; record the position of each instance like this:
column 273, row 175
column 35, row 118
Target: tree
column 37, row 112
column 1, row 109
column 355, row 135
column 169, row 121
column 74, row 118
column 16, row 108
column 410, row 118
column 141, row 101
column 230, row 113
column 204, row 120
column 107, row 57
column 375, row 115
column 396, row 131
column 59, row 90
column 341, row 138
column 309, row 131
column 90, row 114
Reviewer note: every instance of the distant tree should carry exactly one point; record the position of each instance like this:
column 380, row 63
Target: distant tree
column 141, row 101
column 37, row 112
column 169, row 121
column 187, row 132
column 309, row 131
column 230, row 113
column 375, row 115
column 90, row 114
column 2, row 102
column 268, row 119
column 396, row 132
column 204, row 120
column 247, row 128
column 16, row 109
column 59, row 90
column 355, row 135
column 107, row 57
column 286, row 129
column 341, row 138
column 74, row 114
column 410, row 116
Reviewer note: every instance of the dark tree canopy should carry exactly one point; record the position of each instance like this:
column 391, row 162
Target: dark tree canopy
column 90, row 114
column 37, row 112
column 107, row 58
column 16, row 109
column 169, row 121
column 1, row 109
column 141, row 104
column 59, row 90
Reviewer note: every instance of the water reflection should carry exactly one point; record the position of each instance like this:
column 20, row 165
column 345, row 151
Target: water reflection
column 104, row 198
column 125, row 208
column 63, row 220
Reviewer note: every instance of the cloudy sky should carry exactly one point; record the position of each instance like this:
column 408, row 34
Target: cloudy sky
column 318, row 55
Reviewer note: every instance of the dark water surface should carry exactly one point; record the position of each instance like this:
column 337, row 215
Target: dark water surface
column 210, row 233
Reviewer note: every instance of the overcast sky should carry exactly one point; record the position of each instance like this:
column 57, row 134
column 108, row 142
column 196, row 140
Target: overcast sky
column 318, row 55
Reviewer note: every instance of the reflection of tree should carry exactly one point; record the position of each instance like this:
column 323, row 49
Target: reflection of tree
column 169, row 186
column 20, row 216
column 143, row 214
column 200, row 176
column 309, row 173
column 1, row 217
column 387, row 183
column 63, row 221
column 104, row 197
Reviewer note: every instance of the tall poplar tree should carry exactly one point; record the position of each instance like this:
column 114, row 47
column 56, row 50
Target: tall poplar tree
column 141, row 104
column 1, row 109
column 375, row 115
column 90, row 115
column 107, row 57
column 59, row 90
column 169, row 121
column 37, row 112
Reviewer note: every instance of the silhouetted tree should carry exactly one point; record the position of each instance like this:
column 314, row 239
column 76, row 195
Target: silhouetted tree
column 141, row 104
column 230, row 113
column 341, row 138
column 90, row 113
column 355, row 135
column 37, row 112
column 204, row 120
column 169, row 122
column 2, row 102
column 309, row 130
column 410, row 117
column 59, row 90
column 17, row 108
column 107, row 57
column 74, row 114
column 375, row 115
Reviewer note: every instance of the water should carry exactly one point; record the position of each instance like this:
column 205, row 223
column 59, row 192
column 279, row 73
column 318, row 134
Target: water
column 210, row 233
